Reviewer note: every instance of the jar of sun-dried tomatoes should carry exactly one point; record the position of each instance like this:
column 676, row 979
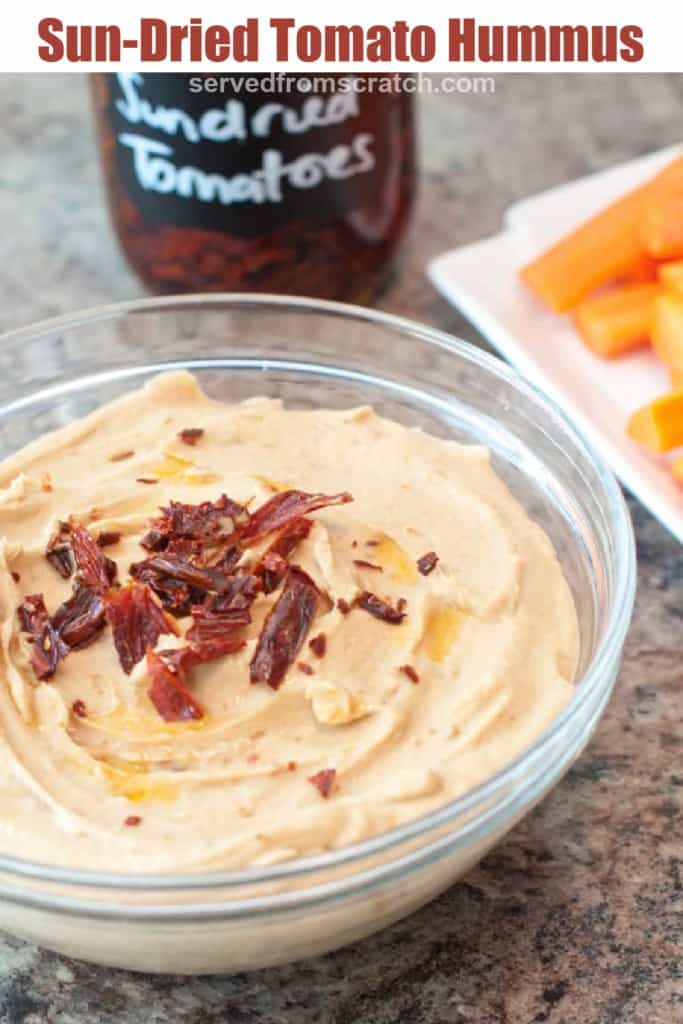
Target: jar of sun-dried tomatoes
column 296, row 186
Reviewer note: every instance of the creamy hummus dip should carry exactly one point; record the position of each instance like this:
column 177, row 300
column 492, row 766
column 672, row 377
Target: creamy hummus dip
column 374, row 724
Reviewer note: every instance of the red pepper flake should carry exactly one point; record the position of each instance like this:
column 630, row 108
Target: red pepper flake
column 133, row 820
column 354, row 543
column 306, row 669
column 15, row 576
column 146, row 480
column 372, row 543
column 79, row 709
column 284, row 629
column 137, row 622
column 58, row 551
column 379, row 608
column 107, row 538
column 318, row 645
column 343, row 606
column 409, row 671
column 427, row 563
column 292, row 766
column 282, row 508
column 323, row 781
column 362, row 564
column 93, row 569
column 401, row 604
column 168, row 691
column 190, row 435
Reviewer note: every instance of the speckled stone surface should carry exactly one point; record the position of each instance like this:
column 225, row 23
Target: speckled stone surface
column 577, row 918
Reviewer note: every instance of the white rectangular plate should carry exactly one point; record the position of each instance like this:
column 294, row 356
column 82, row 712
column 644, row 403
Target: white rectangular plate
column 482, row 280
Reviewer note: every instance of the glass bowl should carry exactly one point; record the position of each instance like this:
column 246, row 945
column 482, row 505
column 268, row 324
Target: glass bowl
column 314, row 353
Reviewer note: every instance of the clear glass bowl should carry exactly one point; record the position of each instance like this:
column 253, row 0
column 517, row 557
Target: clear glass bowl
column 321, row 354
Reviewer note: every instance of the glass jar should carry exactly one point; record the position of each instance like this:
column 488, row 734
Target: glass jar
column 215, row 185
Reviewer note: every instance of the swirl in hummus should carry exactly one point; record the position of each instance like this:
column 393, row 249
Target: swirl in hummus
column 375, row 724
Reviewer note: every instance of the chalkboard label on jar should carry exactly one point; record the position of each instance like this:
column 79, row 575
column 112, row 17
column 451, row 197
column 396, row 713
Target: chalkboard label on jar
column 276, row 183
column 245, row 163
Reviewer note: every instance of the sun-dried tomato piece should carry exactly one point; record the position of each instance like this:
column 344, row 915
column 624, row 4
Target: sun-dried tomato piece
column 179, row 583
column 15, row 576
column 318, row 645
column 409, row 671
column 47, row 647
column 323, row 781
column 379, row 608
column 199, row 652
column 343, row 606
column 168, row 692
column 133, row 820
column 273, row 564
column 93, row 569
column 154, row 540
column 79, row 709
column 307, row 669
column 427, row 563
column 214, row 625
column 190, row 435
column 282, row 508
column 284, row 629
column 80, row 620
column 205, row 521
column 32, row 613
column 58, row 551
column 106, row 538
column 137, row 622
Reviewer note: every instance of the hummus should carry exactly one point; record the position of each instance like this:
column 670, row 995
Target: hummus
column 390, row 719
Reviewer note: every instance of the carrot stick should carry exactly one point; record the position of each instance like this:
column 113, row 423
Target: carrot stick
column 659, row 425
column 667, row 329
column 618, row 321
column 606, row 248
column 671, row 275
column 661, row 227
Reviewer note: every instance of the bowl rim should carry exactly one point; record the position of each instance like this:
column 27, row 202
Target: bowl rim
column 596, row 672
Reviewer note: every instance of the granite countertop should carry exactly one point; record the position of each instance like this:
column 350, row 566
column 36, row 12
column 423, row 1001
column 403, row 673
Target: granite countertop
column 577, row 918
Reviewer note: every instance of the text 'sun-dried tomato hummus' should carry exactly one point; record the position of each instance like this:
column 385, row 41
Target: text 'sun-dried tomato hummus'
column 233, row 635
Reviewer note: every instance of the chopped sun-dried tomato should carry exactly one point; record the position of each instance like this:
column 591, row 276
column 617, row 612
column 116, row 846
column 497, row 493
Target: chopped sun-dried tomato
column 178, row 583
column 282, row 508
column 427, row 563
column 273, row 564
column 47, row 647
column 58, row 551
column 409, row 671
column 168, row 692
column 214, row 625
column 284, row 629
column 323, row 781
column 106, row 538
column 379, row 608
column 93, row 569
column 133, row 820
column 206, row 521
column 307, row 669
column 190, row 435
column 80, row 619
column 318, row 645
column 343, row 606
column 79, row 709
column 137, row 622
